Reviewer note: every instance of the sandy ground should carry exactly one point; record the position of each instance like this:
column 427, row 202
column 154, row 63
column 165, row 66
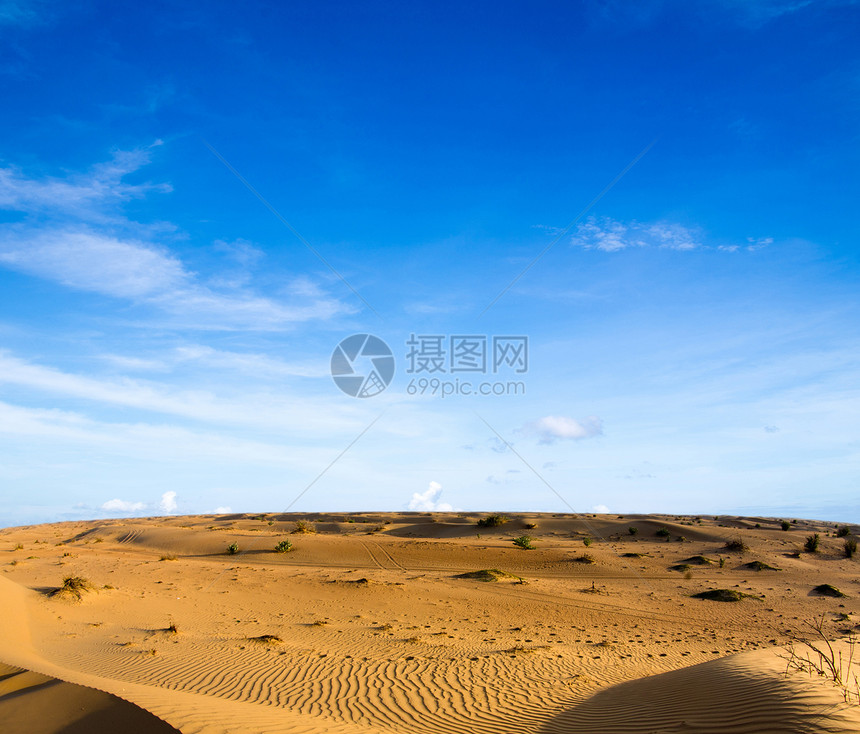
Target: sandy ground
column 365, row 625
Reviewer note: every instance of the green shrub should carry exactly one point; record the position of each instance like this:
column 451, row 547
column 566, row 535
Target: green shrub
column 524, row 542
column 850, row 547
column 632, row 530
column 736, row 545
column 843, row 532
column 786, row 525
column 232, row 549
column 812, row 543
column 303, row 526
column 587, row 542
column 283, row 547
column 492, row 521
column 662, row 532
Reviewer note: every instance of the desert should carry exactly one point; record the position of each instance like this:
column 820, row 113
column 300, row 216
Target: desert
column 428, row 622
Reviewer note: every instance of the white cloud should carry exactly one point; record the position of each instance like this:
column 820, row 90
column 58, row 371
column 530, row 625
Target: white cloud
column 429, row 501
column 77, row 236
column 600, row 509
column 610, row 235
column 122, row 506
column 168, row 503
column 223, row 510
column 262, row 409
column 552, row 428
column 95, row 262
column 89, row 195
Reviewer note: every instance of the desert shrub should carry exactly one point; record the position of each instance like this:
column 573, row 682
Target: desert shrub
column 492, row 521
column 662, row 532
column 759, row 566
column 266, row 639
column 722, row 562
column 828, row 590
column 736, row 545
column 167, row 558
column 587, row 542
column 723, row 595
column 632, row 530
column 283, row 547
column 843, row 531
column 303, row 526
column 74, row 586
column 530, row 525
column 584, row 558
column 698, row 561
column 785, row 525
column 850, row 547
column 524, row 542
column 232, row 549
column 812, row 543
column 488, row 575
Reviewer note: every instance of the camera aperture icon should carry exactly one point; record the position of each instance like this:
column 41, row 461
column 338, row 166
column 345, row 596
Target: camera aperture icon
column 362, row 365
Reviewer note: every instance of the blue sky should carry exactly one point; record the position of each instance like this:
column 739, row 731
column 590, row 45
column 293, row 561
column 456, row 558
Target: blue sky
column 165, row 338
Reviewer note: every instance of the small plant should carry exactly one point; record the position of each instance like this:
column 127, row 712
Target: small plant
column 489, row 575
column 850, row 547
column 662, row 532
column 843, row 532
column 74, row 586
column 587, row 542
column 829, row 590
column 759, row 566
column 283, row 547
column 530, row 525
column 632, row 530
column 584, row 558
column 172, row 629
column 722, row 562
column 524, row 542
column 736, row 545
column 812, row 543
column 266, row 639
column 723, row 595
column 18, row 546
column 232, row 549
column 167, row 558
column 785, row 525
column 830, row 663
column 304, row 527
column 492, row 521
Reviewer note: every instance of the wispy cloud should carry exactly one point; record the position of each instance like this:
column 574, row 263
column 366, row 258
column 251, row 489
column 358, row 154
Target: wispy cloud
column 90, row 196
column 76, row 235
column 611, row 235
column 260, row 409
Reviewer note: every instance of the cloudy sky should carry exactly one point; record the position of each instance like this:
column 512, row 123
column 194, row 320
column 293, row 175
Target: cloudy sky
column 654, row 202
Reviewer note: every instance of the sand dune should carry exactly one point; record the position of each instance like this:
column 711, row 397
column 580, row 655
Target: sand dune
column 366, row 625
